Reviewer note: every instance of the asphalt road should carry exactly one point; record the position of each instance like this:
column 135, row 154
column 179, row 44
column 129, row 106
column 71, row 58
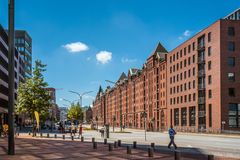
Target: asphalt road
column 219, row 145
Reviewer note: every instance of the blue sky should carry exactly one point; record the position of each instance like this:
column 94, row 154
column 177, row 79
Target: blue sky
column 85, row 42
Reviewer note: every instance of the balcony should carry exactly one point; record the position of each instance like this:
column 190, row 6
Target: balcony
column 201, row 59
column 201, row 47
column 201, row 100
column 201, row 114
column 201, row 73
column 201, row 86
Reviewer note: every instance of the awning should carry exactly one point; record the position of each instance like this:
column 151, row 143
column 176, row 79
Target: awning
column 3, row 110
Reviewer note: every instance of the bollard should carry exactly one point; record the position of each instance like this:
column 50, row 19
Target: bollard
column 129, row 151
column 41, row 134
column 150, row 152
column 119, row 143
column 72, row 138
column 210, row 157
column 153, row 145
column 47, row 135
column 105, row 141
column 115, row 144
column 55, row 136
column 18, row 133
column 177, row 155
column 82, row 139
column 63, row 136
column 29, row 133
column 35, row 134
column 94, row 145
column 110, row 147
column 134, row 144
column 93, row 140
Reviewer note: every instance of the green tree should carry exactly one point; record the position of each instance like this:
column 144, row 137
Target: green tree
column 32, row 95
column 75, row 112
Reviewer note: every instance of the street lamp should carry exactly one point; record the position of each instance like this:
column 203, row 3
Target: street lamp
column 81, row 95
column 63, row 99
column 11, row 54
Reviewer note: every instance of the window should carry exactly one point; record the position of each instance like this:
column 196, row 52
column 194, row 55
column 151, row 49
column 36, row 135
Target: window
column 231, row 77
column 209, row 51
column 184, row 116
column 193, row 46
column 189, row 85
column 234, row 115
column 210, row 93
column 170, row 59
column 209, row 65
column 194, row 96
column 209, row 79
column 177, row 66
column 180, row 76
column 193, row 59
column 181, row 65
column 180, row 53
column 170, row 69
column 177, row 55
column 231, row 31
column 185, row 51
column 181, row 88
column 189, row 97
column 185, row 86
column 192, row 115
column 193, row 71
column 185, row 98
column 231, row 92
column 173, row 68
column 189, row 73
column 185, row 62
column 189, row 48
column 193, row 84
column 185, row 74
column 189, row 60
column 210, row 114
column 231, row 46
column 173, row 57
column 176, row 117
column 170, row 80
column 209, row 37
column 231, row 61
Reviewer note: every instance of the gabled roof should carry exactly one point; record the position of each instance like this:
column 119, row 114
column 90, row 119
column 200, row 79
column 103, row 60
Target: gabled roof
column 159, row 49
column 122, row 77
column 133, row 71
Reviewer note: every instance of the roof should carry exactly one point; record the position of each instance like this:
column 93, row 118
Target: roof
column 158, row 49
column 122, row 77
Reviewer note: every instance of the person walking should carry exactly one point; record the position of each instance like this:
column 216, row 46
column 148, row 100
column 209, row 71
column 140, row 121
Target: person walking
column 172, row 133
column 72, row 129
column 80, row 130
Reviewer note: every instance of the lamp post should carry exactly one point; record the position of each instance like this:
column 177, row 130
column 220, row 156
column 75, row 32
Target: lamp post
column 81, row 95
column 11, row 54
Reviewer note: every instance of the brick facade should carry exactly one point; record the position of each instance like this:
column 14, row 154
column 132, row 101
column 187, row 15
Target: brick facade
column 195, row 87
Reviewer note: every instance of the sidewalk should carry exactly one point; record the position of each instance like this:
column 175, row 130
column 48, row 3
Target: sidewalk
column 50, row 148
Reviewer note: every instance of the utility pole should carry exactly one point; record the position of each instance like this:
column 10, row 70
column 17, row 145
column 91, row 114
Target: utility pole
column 11, row 54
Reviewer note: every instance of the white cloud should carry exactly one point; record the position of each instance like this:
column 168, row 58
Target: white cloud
column 76, row 47
column 187, row 33
column 104, row 57
column 126, row 60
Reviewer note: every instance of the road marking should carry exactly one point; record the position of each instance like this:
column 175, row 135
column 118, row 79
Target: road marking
column 189, row 146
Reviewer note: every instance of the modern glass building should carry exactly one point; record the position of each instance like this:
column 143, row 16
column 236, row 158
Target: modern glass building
column 23, row 43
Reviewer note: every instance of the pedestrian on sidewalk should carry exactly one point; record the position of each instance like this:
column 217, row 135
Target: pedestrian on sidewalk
column 80, row 130
column 172, row 133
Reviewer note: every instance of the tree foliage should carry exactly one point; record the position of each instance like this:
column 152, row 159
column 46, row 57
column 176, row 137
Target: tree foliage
column 75, row 112
column 32, row 95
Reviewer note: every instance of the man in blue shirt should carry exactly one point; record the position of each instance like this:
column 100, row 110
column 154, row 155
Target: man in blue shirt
column 172, row 133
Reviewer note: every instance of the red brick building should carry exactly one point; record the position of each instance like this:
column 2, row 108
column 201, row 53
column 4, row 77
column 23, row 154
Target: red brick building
column 195, row 87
